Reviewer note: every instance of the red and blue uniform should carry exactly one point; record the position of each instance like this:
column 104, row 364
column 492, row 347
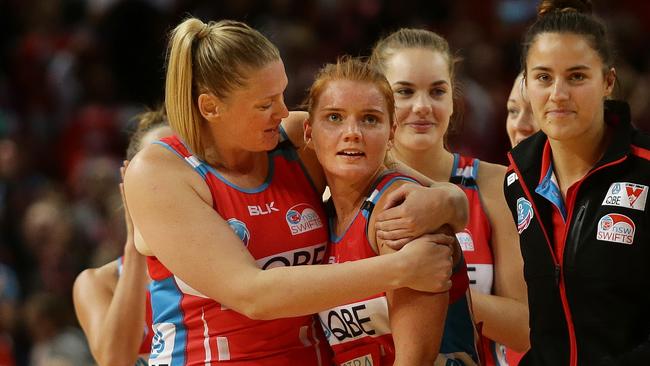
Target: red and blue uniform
column 475, row 241
column 359, row 332
column 281, row 223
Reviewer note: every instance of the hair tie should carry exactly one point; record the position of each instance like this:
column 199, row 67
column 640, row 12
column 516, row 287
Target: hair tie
column 204, row 31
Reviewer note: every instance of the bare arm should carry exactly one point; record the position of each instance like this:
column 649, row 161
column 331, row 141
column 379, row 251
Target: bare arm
column 161, row 200
column 416, row 318
column 110, row 314
column 505, row 312
column 111, row 309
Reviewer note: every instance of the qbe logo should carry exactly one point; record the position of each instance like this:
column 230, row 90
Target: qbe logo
column 616, row 228
column 303, row 218
column 240, row 229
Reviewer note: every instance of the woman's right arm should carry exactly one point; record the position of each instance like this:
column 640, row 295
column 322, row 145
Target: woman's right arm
column 171, row 206
column 111, row 318
column 111, row 307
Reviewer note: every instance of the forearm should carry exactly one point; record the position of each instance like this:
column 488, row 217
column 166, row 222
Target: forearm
column 301, row 290
column 504, row 320
column 417, row 324
column 124, row 323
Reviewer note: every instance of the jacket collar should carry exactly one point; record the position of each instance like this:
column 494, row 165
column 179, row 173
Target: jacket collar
column 527, row 156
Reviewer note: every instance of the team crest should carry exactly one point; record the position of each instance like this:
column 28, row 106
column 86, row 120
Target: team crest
column 524, row 214
column 616, row 228
column 162, row 343
column 303, row 218
column 625, row 194
column 240, row 229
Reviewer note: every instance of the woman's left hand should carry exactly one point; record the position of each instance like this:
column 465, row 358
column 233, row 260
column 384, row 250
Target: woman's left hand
column 413, row 210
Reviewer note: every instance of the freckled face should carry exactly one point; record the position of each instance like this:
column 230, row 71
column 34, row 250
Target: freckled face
column 350, row 130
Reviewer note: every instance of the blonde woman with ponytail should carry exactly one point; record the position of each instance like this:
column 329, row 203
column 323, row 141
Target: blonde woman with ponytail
column 229, row 214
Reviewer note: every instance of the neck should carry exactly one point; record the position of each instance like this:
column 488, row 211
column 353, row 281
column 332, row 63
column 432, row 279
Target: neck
column 573, row 159
column 348, row 197
column 242, row 167
column 435, row 162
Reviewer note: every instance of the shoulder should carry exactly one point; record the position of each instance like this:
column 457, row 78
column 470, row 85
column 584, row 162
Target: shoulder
column 105, row 276
column 156, row 169
column 490, row 178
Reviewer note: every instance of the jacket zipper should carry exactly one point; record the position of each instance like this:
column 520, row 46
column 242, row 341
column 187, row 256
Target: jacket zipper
column 574, row 236
column 559, row 271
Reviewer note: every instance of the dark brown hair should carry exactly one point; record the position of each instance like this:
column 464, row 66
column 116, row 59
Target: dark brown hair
column 569, row 16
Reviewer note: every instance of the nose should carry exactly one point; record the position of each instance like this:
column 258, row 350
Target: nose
column 282, row 111
column 421, row 104
column 560, row 90
column 352, row 131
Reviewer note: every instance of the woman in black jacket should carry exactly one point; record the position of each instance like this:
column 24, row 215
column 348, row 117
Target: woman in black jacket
column 577, row 190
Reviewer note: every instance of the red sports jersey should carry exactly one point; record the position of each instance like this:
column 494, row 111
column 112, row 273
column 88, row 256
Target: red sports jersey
column 359, row 332
column 281, row 223
column 475, row 241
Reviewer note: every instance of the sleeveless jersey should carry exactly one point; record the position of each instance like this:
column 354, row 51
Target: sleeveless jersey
column 475, row 241
column 359, row 332
column 281, row 223
column 147, row 334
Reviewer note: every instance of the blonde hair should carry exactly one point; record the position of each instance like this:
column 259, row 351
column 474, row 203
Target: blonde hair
column 353, row 69
column 209, row 58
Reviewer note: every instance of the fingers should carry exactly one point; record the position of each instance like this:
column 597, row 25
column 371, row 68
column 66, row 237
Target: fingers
column 393, row 199
column 394, row 244
column 393, row 234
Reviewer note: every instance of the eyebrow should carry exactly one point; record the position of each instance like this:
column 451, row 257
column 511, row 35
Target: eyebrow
column 572, row 68
column 367, row 110
column 406, row 83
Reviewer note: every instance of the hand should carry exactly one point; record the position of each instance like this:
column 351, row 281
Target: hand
column 429, row 263
column 412, row 210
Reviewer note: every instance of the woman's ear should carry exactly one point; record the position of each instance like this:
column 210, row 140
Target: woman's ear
column 610, row 81
column 209, row 106
column 307, row 130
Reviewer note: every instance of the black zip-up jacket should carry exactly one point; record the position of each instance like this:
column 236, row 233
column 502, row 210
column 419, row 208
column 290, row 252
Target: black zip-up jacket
column 592, row 306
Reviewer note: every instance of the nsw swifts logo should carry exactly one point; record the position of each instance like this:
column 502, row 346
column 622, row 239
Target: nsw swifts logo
column 302, row 218
column 240, row 229
column 616, row 228
column 524, row 214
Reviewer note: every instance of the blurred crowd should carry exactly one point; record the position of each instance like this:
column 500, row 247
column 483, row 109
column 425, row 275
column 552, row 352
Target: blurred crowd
column 73, row 73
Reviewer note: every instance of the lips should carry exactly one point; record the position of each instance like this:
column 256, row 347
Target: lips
column 420, row 125
column 559, row 112
column 353, row 153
